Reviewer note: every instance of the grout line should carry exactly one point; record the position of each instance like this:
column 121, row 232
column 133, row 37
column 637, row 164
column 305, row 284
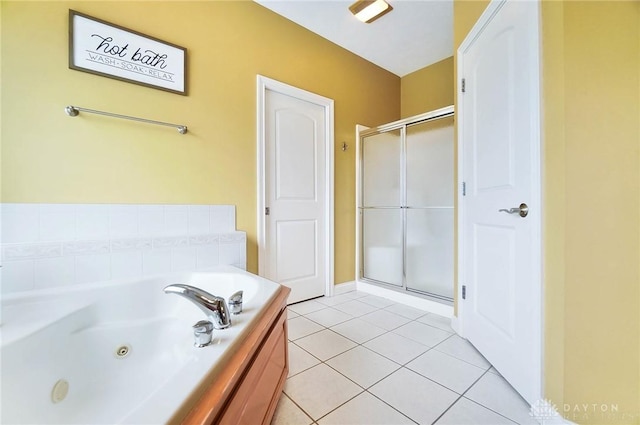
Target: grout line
column 440, row 383
column 339, row 406
column 359, row 343
column 402, row 413
column 401, row 365
column 343, row 375
column 480, row 404
column 452, row 355
column 497, row 413
column 298, row 406
column 310, row 367
column 449, row 337
column 364, row 388
column 324, row 307
column 456, row 400
column 304, row 336
column 336, row 324
column 336, row 355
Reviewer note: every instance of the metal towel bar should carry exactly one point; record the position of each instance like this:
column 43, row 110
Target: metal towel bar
column 73, row 111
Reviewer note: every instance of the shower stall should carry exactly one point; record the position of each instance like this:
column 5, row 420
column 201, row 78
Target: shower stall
column 405, row 187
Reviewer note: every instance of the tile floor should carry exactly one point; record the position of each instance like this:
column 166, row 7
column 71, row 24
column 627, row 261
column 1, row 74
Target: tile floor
column 361, row 359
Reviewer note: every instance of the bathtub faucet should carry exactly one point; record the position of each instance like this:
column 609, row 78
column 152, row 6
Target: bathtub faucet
column 214, row 307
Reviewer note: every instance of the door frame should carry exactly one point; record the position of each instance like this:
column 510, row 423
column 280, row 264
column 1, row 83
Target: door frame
column 264, row 84
column 534, row 92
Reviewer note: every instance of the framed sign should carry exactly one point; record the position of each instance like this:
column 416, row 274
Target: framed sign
column 102, row 48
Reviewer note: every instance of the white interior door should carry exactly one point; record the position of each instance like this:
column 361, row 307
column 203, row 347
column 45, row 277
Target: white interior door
column 500, row 146
column 295, row 195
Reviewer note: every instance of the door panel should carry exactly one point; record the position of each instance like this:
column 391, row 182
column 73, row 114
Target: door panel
column 493, row 141
column 296, row 242
column 497, row 276
column 295, row 138
column 499, row 119
column 295, row 195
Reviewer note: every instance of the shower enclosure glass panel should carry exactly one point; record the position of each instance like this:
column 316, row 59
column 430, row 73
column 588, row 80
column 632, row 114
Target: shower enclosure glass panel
column 382, row 220
column 382, row 245
column 430, row 164
column 381, row 170
column 429, row 258
column 429, row 207
column 405, row 204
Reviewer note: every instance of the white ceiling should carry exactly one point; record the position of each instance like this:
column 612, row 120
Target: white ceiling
column 415, row 34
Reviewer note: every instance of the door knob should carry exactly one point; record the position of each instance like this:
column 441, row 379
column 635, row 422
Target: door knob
column 523, row 210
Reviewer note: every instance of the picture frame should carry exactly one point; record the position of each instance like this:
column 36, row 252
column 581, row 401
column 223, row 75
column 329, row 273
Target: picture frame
column 102, row 48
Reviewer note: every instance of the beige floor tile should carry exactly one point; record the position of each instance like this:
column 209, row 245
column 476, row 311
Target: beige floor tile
column 320, row 390
column 365, row 409
column 363, row 366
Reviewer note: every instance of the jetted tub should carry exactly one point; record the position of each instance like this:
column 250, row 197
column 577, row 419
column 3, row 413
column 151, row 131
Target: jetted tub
column 123, row 351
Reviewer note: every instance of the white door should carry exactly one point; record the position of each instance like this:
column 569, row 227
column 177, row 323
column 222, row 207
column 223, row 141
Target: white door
column 500, row 146
column 295, row 168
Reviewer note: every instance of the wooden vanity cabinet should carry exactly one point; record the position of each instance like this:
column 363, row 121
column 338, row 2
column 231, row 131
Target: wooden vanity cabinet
column 247, row 389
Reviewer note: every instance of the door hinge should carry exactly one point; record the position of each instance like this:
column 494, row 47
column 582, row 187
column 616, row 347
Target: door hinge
column 463, row 85
column 267, row 211
column 464, row 292
column 464, row 188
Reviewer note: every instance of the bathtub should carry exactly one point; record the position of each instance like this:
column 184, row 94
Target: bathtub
column 122, row 351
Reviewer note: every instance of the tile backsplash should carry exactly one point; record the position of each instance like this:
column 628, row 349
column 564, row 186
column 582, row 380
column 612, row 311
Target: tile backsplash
column 48, row 245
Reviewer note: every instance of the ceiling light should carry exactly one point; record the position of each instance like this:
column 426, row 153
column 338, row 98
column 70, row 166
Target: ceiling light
column 369, row 10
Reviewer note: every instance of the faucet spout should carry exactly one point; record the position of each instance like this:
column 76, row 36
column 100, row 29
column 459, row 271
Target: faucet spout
column 214, row 307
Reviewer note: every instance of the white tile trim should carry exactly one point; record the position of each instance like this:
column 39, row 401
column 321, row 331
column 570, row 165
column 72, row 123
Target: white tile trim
column 30, row 251
column 82, row 243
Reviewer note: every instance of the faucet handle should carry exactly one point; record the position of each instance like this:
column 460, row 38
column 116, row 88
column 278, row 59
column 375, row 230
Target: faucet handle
column 203, row 333
column 235, row 302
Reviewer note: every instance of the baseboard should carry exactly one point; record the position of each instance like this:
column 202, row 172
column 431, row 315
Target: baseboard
column 410, row 300
column 344, row 287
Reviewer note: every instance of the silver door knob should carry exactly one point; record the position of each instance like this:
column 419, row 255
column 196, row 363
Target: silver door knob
column 523, row 210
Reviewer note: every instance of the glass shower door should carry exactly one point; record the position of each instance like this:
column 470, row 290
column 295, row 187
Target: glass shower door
column 429, row 208
column 380, row 206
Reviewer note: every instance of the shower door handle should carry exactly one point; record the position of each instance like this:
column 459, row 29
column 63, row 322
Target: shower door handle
column 523, row 210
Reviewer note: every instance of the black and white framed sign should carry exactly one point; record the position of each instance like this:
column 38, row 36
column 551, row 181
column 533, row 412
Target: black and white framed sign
column 102, row 48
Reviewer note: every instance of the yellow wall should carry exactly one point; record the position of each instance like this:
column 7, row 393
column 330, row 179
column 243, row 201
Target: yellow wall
column 591, row 186
column 427, row 89
column 602, row 248
column 554, row 187
column 49, row 157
